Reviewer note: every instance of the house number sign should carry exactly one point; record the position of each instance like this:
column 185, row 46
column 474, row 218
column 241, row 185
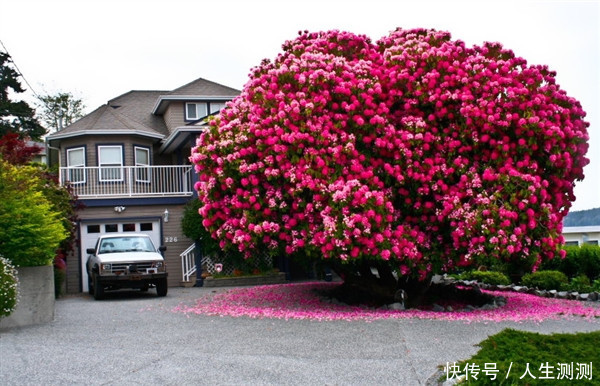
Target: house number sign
column 170, row 239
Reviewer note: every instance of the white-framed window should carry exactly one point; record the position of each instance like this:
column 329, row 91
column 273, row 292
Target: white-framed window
column 110, row 160
column 142, row 163
column 76, row 165
column 195, row 111
column 215, row 107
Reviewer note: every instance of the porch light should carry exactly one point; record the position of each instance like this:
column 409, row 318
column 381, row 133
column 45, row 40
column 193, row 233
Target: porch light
column 166, row 215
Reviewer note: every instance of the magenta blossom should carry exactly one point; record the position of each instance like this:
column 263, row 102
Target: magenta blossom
column 416, row 150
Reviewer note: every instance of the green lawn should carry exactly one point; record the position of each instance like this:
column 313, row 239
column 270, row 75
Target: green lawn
column 557, row 359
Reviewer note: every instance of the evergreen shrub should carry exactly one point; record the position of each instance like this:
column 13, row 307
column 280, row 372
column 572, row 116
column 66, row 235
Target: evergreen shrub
column 545, row 280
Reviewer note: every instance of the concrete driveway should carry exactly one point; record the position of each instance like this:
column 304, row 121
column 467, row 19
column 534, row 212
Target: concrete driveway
column 133, row 338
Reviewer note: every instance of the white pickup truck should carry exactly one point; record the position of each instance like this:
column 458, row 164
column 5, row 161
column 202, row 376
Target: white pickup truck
column 126, row 261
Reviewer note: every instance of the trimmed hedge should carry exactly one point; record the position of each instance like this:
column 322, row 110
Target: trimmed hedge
column 489, row 277
column 584, row 260
column 545, row 280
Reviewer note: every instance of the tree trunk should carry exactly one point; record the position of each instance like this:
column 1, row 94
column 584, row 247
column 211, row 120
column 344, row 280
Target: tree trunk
column 380, row 288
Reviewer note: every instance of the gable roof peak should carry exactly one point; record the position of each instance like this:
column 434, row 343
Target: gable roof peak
column 204, row 87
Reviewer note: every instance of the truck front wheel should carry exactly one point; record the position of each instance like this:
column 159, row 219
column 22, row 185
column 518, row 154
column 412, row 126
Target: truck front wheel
column 161, row 287
column 98, row 288
column 90, row 284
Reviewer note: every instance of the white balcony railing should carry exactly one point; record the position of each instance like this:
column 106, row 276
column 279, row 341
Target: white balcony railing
column 128, row 181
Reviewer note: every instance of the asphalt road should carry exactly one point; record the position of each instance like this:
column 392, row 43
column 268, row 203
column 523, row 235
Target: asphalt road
column 133, row 338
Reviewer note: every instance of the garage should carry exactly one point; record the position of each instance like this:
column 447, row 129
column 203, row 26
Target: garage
column 90, row 230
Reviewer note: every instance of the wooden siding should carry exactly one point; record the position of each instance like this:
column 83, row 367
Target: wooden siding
column 174, row 115
column 91, row 143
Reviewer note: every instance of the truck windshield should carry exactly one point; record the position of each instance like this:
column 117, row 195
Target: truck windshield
column 126, row 244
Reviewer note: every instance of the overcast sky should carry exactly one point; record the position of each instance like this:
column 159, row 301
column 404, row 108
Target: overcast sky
column 98, row 50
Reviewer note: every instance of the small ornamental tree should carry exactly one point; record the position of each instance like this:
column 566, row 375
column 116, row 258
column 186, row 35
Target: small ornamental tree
column 16, row 151
column 31, row 230
column 413, row 155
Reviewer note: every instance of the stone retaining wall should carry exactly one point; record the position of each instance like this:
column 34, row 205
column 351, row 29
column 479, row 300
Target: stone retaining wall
column 36, row 298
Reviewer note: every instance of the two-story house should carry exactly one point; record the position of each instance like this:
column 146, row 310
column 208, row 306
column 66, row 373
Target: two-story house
column 128, row 164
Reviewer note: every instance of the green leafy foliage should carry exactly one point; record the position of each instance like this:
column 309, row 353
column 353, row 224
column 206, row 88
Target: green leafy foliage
column 512, row 349
column 489, row 277
column 582, row 284
column 60, row 110
column 191, row 225
column 15, row 116
column 545, row 280
column 63, row 202
column 8, row 287
column 583, row 260
column 17, row 151
column 31, row 230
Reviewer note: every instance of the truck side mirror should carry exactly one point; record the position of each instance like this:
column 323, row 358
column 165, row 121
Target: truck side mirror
column 91, row 251
column 162, row 248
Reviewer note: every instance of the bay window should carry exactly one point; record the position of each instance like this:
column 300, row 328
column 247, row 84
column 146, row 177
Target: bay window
column 76, row 165
column 142, row 163
column 110, row 160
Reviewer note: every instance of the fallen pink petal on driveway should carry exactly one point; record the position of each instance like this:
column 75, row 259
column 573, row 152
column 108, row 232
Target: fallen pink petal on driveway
column 301, row 301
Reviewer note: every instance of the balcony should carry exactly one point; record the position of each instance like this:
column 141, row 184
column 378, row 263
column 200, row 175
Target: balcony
column 128, row 181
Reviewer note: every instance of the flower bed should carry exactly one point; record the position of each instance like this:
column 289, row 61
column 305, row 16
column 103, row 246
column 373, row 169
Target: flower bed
column 301, row 301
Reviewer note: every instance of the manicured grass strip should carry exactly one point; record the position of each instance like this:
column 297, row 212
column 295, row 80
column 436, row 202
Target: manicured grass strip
column 557, row 359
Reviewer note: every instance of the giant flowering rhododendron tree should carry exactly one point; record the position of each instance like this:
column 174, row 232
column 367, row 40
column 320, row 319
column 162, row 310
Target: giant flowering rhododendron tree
column 413, row 155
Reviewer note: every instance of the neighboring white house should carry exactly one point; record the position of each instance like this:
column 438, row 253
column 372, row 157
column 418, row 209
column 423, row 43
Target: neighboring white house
column 582, row 235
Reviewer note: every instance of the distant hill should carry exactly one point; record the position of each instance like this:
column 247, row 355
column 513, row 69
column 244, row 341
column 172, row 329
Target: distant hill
column 582, row 218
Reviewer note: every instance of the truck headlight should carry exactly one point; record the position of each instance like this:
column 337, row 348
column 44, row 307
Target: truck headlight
column 106, row 267
column 157, row 264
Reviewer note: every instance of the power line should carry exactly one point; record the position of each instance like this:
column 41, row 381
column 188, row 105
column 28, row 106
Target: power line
column 18, row 70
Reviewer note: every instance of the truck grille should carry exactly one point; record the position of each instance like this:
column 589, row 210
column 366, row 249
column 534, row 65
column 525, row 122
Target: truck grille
column 130, row 267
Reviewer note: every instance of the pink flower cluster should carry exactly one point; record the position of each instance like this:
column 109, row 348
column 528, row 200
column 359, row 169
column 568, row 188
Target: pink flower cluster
column 416, row 149
column 300, row 301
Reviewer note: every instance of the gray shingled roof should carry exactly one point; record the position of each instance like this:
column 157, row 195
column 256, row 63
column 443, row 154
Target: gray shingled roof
column 137, row 105
column 106, row 120
column 133, row 112
column 203, row 87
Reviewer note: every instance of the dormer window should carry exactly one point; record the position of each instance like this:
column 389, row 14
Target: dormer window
column 215, row 107
column 199, row 110
column 194, row 111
